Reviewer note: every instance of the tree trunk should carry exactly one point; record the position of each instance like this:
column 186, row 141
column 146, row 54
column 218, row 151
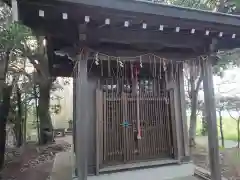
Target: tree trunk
column 238, row 132
column 4, row 110
column 193, row 120
column 221, row 127
column 46, row 128
column 37, row 109
column 19, row 135
column 194, row 103
column 5, row 93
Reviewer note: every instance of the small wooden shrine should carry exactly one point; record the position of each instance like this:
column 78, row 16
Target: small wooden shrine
column 136, row 110
column 127, row 57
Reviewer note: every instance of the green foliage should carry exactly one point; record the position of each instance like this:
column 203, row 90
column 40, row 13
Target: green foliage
column 197, row 4
column 237, row 3
column 226, row 6
column 229, row 128
column 224, row 61
column 56, row 108
column 13, row 36
column 204, row 128
column 233, row 104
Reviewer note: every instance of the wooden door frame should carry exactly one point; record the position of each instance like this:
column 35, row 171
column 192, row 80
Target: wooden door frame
column 101, row 114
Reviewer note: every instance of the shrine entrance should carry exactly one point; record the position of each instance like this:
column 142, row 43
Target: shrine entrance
column 134, row 119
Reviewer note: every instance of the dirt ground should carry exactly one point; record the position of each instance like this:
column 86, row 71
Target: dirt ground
column 34, row 163
column 229, row 159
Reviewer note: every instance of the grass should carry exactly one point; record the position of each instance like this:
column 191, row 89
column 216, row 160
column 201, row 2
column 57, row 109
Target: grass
column 229, row 128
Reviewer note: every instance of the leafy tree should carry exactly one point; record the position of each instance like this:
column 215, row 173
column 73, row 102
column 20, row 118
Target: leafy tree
column 38, row 57
column 221, row 105
column 194, row 79
column 197, row 4
column 34, row 50
column 15, row 46
column 225, row 6
column 193, row 76
column 11, row 37
column 233, row 104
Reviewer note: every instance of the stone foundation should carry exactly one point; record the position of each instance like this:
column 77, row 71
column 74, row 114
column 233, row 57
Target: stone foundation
column 156, row 173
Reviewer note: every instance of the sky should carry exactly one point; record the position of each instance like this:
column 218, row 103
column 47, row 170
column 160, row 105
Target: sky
column 228, row 85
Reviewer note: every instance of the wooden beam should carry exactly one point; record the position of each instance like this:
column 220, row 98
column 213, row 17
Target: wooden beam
column 82, row 118
column 153, row 40
column 128, row 52
column 210, row 109
column 133, row 11
column 82, row 30
column 138, row 7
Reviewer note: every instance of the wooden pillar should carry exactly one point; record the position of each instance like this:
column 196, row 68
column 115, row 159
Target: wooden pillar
column 175, row 116
column 82, row 118
column 183, row 112
column 210, row 109
column 74, row 117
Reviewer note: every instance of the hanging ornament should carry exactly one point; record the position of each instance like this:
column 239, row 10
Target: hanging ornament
column 166, row 100
column 101, row 67
column 150, row 64
column 96, row 59
column 141, row 65
column 131, row 68
column 120, row 63
column 154, row 68
column 164, row 65
column 176, row 71
column 194, row 69
column 199, row 66
column 204, row 60
column 160, row 68
column 109, row 67
column 117, row 71
column 172, row 70
column 136, row 73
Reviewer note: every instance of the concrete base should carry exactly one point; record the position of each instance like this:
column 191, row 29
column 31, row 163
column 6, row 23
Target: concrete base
column 62, row 167
column 139, row 165
column 183, row 171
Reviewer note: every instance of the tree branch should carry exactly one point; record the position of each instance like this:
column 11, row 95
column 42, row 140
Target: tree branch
column 232, row 116
column 32, row 59
column 16, row 69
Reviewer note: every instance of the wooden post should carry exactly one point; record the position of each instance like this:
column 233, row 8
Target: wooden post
column 99, row 129
column 183, row 111
column 210, row 109
column 82, row 118
column 74, row 118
